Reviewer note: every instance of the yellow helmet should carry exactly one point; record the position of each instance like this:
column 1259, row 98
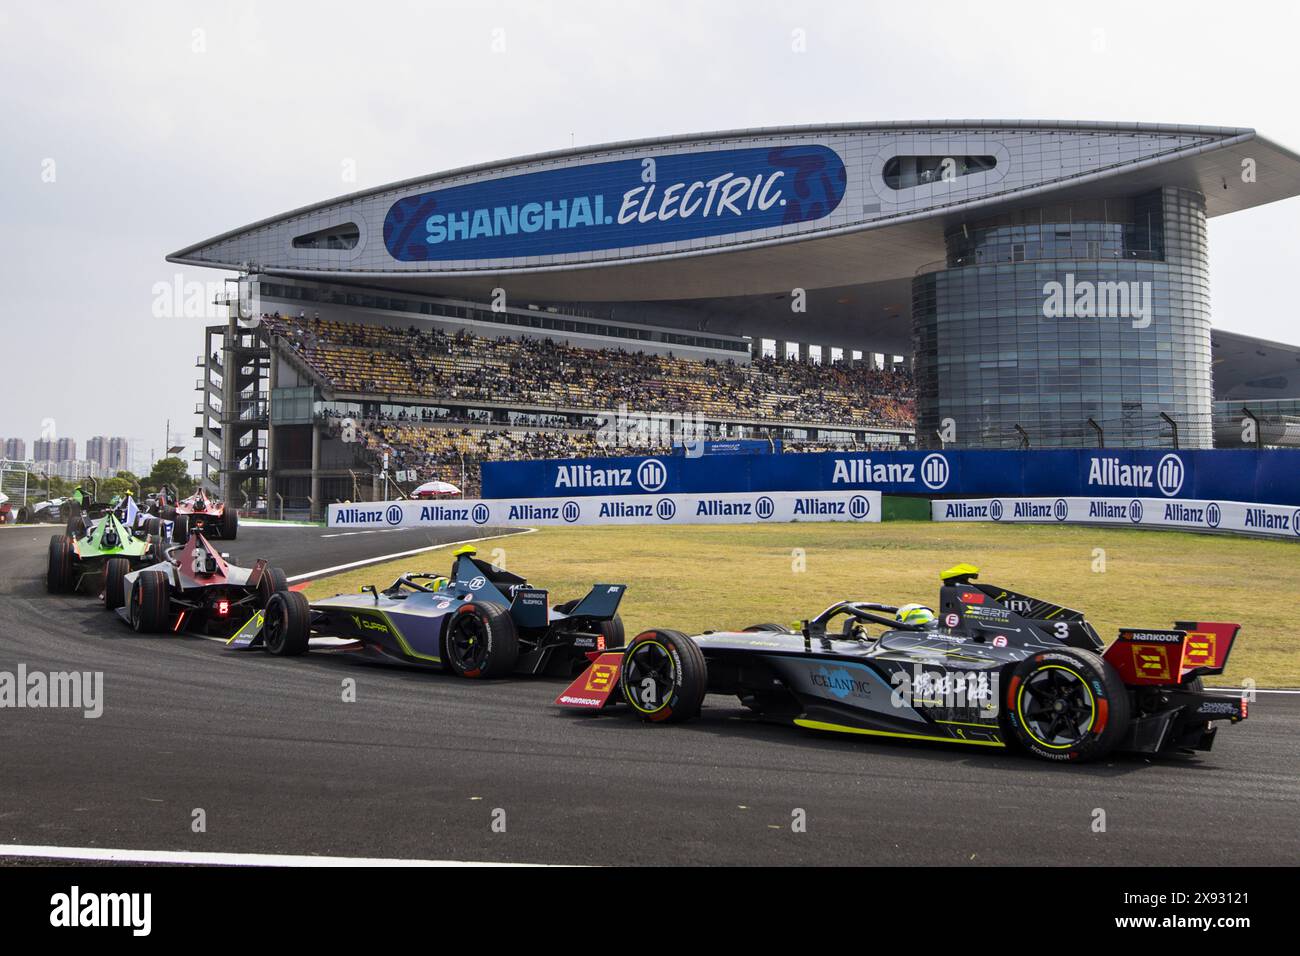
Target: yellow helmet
column 914, row 614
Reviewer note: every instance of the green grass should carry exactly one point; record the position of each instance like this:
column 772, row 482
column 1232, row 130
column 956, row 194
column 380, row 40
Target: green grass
column 715, row 576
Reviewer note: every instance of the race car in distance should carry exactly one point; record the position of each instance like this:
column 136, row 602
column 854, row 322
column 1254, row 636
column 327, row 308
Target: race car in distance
column 6, row 509
column 53, row 511
column 91, row 544
column 994, row 668
column 200, row 513
column 482, row 621
column 196, row 589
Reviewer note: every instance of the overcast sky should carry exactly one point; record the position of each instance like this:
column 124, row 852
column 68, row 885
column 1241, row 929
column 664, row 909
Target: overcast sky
column 133, row 129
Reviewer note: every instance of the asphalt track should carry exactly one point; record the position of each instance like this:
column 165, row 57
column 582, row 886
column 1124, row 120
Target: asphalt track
column 419, row 764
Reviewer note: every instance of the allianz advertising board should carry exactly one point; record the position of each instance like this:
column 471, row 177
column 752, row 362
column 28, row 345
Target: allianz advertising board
column 618, row 204
column 1271, row 477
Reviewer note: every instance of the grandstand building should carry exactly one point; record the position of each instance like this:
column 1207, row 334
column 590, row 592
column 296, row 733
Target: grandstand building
column 1037, row 284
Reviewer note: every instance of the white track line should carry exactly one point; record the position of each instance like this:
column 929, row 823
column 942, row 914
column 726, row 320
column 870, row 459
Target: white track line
column 403, row 554
column 221, row 859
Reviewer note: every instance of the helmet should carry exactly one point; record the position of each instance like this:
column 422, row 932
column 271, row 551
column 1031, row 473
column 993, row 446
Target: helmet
column 914, row 614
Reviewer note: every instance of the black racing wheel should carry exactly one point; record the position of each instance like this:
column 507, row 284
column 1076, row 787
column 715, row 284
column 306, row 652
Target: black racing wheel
column 272, row 582
column 664, row 676
column 115, row 572
column 776, row 628
column 612, row 631
column 58, row 572
column 480, row 641
column 1067, row 704
column 286, row 627
column 150, row 602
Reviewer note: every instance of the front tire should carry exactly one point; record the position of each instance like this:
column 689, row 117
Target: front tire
column 664, row 676
column 481, row 641
column 1066, row 705
column 115, row 572
column 150, row 602
column 58, row 572
column 286, row 628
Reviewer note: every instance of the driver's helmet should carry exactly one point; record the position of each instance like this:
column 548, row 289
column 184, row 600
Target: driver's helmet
column 914, row 614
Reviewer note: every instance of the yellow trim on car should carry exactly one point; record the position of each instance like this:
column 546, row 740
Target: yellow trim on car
column 840, row 728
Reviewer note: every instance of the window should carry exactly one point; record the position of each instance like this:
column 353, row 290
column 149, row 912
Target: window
column 343, row 236
column 904, row 172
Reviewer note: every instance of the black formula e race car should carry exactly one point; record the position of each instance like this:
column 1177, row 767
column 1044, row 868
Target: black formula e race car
column 993, row 668
column 481, row 621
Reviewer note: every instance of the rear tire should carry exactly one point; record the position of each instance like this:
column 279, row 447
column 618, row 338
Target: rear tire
column 481, row 642
column 58, row 572
column 271, row 583
column 664, row 676
column 150, row 602
column 1065, row 705
column 181, row 529
column 777, row 628
column 613, row 632
column 115, row 572
column 287, row 625
column 229, row 523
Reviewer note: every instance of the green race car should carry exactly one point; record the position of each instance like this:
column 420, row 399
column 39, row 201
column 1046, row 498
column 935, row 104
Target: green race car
column 82, row 554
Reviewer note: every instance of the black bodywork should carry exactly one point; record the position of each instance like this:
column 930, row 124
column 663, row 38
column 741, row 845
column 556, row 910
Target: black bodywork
column 962, row 678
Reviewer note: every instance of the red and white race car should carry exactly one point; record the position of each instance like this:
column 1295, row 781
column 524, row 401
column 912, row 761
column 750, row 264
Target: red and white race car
column 202, row 513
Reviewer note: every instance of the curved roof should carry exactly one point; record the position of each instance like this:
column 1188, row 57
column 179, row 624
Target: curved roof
column 796, row 207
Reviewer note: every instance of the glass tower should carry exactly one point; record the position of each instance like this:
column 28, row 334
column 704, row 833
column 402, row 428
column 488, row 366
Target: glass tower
column 1068, row 326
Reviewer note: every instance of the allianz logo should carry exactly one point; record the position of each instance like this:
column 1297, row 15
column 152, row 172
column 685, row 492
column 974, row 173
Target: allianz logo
column 527, row 512
column 934, row 472
column 651, row 475
column 443, row 513
column 1167, row 475
column 358, row 516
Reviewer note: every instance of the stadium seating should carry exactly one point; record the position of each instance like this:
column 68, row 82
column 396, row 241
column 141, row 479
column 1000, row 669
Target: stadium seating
column 431, row 365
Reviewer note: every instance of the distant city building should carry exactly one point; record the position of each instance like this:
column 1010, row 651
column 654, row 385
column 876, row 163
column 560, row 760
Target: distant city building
column 65, row 449
column 73, row 469
column 119, row 455
column 110, row 454
column 42, row 450
column 15, row 449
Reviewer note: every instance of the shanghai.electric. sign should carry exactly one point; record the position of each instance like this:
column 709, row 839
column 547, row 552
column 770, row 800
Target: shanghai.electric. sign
column 619, row 204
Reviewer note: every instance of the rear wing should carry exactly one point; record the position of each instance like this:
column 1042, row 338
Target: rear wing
column 1155, row 658
column 600, row 604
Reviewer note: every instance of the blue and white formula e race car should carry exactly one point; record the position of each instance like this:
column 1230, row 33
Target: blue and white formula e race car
column 480, row 621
